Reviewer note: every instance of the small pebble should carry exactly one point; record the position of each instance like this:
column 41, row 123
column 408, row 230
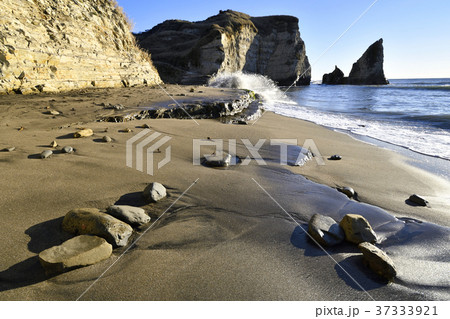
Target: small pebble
column 46, row 154
column 107, row 139
column 145, row 126
column 9, row 149
column 192, row 90
column 125, row 130
column 52, row 112
column 21, row 128
column 347, row 191
column 53, row 144
column 68, row 149
column 335, row 157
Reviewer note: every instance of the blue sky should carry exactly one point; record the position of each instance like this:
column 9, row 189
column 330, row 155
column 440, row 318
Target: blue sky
column 416, row 33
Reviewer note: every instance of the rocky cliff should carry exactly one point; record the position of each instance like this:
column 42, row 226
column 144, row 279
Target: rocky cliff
column 368, row 70
column 189, row 52
column 58, row 45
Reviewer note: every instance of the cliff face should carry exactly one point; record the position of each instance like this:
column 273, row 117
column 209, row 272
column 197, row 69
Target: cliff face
column 58, row 45
column 369, row 67
column 189, row 52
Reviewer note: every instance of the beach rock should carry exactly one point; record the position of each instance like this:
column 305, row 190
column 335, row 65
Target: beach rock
column 79, row 251
column 347, row 191
column 368, row 70
column 357, row 229
column 154, row 192
column 52, row 112
column 416, row 199
column 125, row 130
column 129, row 214
column 53, row 144
column 91, row 221
column 325, row 230
column 378, row 261
column 9, row 149
column 335, row 158
column 83, row 133
column 145, row 126
column 46, row 154
column 106, row 139
column 68, row 149
column 215, row 160
column 190, row 52
column 48, row 46
column 335, row 77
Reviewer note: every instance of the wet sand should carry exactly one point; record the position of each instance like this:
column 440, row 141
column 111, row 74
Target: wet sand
column 225, row 239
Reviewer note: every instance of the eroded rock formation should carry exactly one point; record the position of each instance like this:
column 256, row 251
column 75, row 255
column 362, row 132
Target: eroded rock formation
column 368, row 70
column 51, row 46
column 189, row 52
column 369, row 67
column 335, row 77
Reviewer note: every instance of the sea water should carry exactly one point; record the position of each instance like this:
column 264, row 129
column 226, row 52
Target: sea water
column 410, row 113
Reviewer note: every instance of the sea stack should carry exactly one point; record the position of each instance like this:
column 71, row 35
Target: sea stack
column 335, row 77
column 190, row 52
column 368, row 70
column 369, row 67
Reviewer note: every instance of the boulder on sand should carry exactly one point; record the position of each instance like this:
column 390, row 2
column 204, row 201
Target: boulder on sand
column 378, row 261
column 154, row 192
column 129, row 214
column 92, row 222
column 357, row 229
column 325, row 230
column 83, row 133
column 79, row 251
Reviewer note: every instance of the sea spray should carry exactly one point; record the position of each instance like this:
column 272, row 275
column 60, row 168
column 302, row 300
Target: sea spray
column 272, row 95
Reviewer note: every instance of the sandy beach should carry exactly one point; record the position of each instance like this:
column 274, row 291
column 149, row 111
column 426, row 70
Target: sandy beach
column 231, row 235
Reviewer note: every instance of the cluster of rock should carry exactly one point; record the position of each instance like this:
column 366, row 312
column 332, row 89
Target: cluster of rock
column 325, row 231
column 189, row 52
column 97, row 233
column 247, row 107
column 52, row 46
column 368, row 70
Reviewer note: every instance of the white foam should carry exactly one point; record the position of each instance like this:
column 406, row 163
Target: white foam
column 271, row 93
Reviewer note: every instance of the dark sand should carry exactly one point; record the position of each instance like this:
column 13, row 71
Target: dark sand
column 225, row 239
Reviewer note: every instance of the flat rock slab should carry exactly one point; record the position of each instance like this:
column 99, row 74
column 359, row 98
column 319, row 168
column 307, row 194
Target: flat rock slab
column 129, row 214
column 91, row 221
column 223, row 160
column 154, row 192
column 357, row 229
column 325, row 230
column 79, row 251
column 378, row 261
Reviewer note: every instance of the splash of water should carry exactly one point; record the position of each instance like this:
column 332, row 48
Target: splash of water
column 257, row 83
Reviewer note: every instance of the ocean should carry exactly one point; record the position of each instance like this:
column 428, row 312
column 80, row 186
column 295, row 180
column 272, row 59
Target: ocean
column 412, row 114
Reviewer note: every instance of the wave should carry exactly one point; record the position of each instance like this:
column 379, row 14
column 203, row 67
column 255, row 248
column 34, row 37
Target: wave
column 257, row 83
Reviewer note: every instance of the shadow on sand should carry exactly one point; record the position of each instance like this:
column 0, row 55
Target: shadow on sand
column 30, row 271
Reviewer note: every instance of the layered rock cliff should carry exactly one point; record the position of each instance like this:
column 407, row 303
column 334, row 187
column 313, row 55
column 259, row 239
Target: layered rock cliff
column 59, row 45
column 189, row 52
column 368, row 70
